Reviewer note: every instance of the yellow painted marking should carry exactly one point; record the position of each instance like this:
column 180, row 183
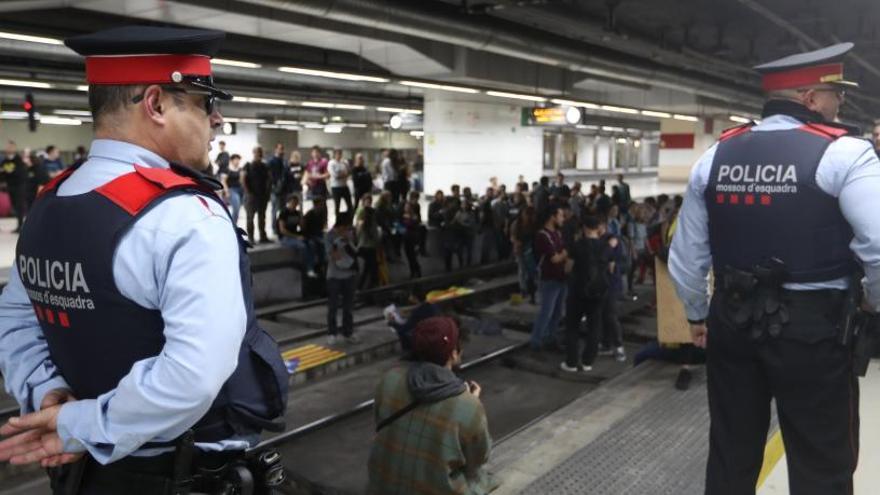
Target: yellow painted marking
column 311, row 356
column 774, row 451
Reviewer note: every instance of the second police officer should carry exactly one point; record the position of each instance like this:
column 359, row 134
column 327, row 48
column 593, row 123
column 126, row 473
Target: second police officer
column 785, row 214
column 127, row 329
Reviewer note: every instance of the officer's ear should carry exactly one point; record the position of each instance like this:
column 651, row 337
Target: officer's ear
column 155, row 103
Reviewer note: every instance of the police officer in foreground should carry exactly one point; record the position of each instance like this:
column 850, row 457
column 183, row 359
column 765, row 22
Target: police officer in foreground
column 136, row 357
column 784, row 212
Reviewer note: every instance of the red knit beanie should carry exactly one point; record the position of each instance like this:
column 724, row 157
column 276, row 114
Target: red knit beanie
column 434, row 339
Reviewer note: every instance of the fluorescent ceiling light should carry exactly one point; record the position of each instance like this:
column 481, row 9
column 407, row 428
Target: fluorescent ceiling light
column 340, row 106
column 269, row 126
column 262, row 101
column 515, row 96
column 287, row 122
column 444, row 87
column 398, row 110
column 336, row 118
column 59, row 121
column 612, row 108
column 82, row 87
column 417, row 133
column 333, row 75
column 235, row 63
column 13, row 115
column 689, row 118
column 612, row 129
column 26, row 84
column 652, row 113
column 314, row 125
column 77, row 113
column 317, row 104
column 333, row 129
column 621, row 140
column 244, row 120
column 574, row 103
column 359, row 126
column 738, row 119
column 32, row 39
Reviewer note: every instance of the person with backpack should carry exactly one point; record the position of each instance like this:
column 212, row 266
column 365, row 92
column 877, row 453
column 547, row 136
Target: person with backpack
column 432, row 434
column 587, row 289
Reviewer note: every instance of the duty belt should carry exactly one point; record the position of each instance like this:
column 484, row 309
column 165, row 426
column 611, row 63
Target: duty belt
column 753, row 300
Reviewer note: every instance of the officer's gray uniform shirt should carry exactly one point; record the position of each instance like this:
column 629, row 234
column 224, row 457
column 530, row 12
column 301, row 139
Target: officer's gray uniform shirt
column 849, row 171
column 160, row 263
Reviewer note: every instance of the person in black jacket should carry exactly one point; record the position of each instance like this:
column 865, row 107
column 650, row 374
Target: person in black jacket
column 362, row 178
column 257, row 183
column 587, row 287
column 15, row 174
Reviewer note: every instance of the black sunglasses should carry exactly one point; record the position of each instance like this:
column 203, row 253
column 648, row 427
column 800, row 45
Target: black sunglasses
column 210, row 98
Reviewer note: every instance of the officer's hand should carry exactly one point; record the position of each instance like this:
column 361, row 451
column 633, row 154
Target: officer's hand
column 34, row 439
column 698, row 334
column 57, row 397
column 474, row 388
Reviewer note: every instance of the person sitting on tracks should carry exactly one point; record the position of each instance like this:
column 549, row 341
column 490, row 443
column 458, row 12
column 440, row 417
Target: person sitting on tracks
column 289, row 226
column 432, row 433
column 421, row 312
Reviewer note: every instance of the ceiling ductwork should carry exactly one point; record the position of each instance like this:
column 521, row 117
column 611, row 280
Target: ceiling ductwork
column 406, row 18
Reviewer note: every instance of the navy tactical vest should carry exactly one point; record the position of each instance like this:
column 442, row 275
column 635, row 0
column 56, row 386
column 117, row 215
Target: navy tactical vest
column 763, row 202
column 95, row 334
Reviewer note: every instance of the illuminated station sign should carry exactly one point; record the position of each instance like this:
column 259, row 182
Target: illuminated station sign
column 551, row 116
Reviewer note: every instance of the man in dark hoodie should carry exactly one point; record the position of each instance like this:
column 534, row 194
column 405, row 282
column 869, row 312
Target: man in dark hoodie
column 424, row 399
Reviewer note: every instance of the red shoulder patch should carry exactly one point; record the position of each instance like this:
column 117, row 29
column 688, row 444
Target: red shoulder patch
column 164, row 177
column 53, row 184
column 825, row 131
column 735, row 131
column 132, row 192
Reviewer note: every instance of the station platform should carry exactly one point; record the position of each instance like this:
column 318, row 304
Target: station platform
column 636, row 434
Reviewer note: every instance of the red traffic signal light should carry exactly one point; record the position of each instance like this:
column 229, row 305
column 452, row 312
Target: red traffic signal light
column 27, row 106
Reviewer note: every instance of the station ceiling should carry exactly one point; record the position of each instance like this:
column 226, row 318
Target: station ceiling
column 689, row 56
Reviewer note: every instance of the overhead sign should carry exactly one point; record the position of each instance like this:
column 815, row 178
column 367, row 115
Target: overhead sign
column 551, row 116
column 672, row 141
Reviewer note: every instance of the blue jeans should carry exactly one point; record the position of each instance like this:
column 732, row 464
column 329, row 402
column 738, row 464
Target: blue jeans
column 235, row 203
column 525, row 263
column 552, row 294
column 300, row 245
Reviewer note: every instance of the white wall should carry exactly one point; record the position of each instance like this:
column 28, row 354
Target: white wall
column 242, row 143
column 469, row 139
column 66, row 137
column 676, row 164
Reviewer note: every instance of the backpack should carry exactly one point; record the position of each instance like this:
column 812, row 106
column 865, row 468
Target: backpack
column 596, row 284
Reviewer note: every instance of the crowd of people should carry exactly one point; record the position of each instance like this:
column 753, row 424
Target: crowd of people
column 24, row 172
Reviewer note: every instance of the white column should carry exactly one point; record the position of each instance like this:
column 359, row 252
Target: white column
column 470, row 138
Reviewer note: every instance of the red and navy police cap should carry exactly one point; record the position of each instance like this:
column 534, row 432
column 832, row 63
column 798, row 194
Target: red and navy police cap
column 150, row 55
column 823, row 66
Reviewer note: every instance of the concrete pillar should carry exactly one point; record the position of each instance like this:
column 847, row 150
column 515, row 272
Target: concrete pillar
column 470, row 138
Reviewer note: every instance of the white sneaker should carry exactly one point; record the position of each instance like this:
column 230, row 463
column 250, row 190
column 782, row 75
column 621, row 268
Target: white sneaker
column 565, row 367
column 586, row 369
column 332, row 340
column 620, row 355
column 311, row 274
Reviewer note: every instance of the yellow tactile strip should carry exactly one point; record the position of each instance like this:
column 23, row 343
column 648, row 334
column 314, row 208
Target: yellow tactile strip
column 309, row 356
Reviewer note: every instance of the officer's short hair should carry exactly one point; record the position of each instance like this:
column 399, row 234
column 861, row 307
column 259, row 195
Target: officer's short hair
column 50, row 149
column 105, row 100
column 236, row 156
